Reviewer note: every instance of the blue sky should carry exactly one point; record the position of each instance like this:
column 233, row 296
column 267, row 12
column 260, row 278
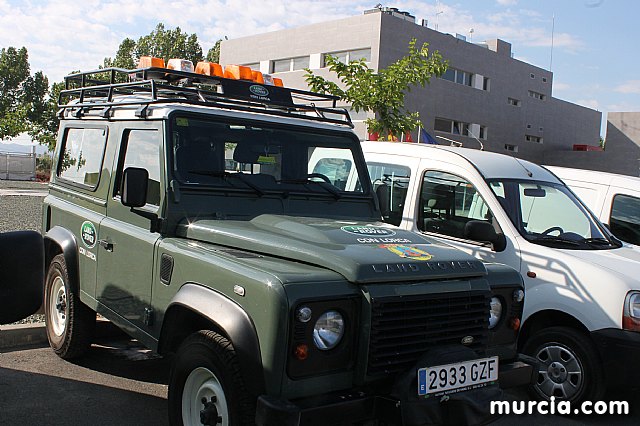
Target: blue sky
column 595, row 54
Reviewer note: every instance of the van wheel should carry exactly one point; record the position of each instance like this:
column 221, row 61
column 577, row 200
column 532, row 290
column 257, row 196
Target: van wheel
column 570, row 368
column 205, row 385
column 69, row 322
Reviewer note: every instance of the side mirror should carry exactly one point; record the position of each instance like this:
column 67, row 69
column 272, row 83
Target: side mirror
column 479, row 230
column 134, row 187
column 21, row 274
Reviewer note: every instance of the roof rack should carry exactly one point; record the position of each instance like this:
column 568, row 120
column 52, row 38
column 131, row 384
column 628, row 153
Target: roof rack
column 100, row 90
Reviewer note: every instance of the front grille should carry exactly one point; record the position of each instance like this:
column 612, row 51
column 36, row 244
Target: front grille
column 405, row 327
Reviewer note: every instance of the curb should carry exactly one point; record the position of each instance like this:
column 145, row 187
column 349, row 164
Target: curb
column 22, row 336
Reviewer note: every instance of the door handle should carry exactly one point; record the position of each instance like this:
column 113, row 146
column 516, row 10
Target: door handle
column 106, row 244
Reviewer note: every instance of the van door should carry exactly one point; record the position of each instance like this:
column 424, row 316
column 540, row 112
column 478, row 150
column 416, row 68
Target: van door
column 448, row 206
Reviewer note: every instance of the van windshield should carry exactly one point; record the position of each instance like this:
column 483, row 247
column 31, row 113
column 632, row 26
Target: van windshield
column 549, row 214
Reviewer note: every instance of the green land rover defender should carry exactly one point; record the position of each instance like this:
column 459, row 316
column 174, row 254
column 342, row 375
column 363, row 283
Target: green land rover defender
column 233, row 225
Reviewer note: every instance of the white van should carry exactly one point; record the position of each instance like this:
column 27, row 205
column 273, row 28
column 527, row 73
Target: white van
column 582, row 305
column 615, row 199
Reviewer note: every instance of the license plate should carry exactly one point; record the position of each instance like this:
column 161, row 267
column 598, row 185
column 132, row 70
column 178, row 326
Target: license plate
column 458, row 376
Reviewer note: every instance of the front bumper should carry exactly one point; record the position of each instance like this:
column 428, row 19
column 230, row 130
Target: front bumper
column 617, row 348
column 354, row 406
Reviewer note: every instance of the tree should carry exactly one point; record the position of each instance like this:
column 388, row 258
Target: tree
column 383, row 92
column 124, row 56
column 213, row 55
column 167, row 44
column 45, row 128
column 14, row 71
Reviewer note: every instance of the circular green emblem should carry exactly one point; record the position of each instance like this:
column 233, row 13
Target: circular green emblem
column 88, row 234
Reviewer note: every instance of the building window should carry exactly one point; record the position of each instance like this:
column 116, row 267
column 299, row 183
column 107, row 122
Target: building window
column 460, row 77
column 461, row 128
column 537, row 95
column 532, row 75
column 349, row 56
column 528, row 126
column 486, row 83
column 544, row 79
column 511, row 148
column 514, row 102
column 532, row 138
column 290, row 64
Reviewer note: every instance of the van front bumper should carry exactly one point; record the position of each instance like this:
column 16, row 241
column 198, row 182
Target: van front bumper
column 617, row 348
column 361, row 405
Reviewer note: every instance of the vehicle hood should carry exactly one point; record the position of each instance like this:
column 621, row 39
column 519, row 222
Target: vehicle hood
column 623, row 261
column 362, row 252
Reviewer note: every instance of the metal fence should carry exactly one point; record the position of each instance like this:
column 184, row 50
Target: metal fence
column 17, row 166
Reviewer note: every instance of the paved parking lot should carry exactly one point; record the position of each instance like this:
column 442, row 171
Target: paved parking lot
column 121, row 383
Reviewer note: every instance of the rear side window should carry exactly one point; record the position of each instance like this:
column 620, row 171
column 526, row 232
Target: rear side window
column 625, row 218
column 82, row 155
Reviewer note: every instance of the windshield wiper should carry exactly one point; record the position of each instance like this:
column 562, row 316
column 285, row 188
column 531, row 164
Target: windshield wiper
column 598, row 242
column 543, row 239
column 224, row 174
column 329, row 188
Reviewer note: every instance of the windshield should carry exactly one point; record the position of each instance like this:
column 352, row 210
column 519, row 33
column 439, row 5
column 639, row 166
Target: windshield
column 264, row 160
column 549, row 214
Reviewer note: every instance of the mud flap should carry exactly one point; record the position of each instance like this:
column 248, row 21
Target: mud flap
column 463, row 408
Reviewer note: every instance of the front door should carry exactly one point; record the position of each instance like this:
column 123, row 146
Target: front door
column 126, row 247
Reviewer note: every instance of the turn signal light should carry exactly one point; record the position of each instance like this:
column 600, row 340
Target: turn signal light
column 277, row 82
column 257, row 77
column 630, row 323
column 301, row 352
column 515, row 324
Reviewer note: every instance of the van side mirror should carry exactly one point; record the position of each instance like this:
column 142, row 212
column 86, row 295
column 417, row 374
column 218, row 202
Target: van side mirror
column 479, row 230
column 22, row 278
column 134, row 187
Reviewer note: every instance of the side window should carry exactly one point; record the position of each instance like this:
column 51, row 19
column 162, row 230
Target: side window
column 390, row 183
column 448, row 202
column 81, row 156
column 142, row 149
column 625, row 218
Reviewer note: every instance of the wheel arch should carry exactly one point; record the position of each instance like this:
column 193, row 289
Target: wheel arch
column 548, row 318
column 57, row 241
column 194, row 308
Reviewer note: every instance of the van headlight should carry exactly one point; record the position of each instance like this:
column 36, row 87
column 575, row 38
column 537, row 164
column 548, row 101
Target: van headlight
column 328, row 330
column 495, row 311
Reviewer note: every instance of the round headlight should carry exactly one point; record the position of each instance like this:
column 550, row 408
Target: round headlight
column 495, row 312
column 328, row 330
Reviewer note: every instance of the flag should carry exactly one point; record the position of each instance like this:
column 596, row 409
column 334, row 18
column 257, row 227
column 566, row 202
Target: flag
column 425, row 137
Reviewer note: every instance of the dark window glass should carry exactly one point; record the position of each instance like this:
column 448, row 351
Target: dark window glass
column 390, row 183
column 447, row 203
column 625, row 218
column 449, row 74
column 82, row 155
column 442, row 125
column 143, row 150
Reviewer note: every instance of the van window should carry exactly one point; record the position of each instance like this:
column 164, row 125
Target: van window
column 625, row 218
column 390, row 183
column 82, row 155
column 448, row 202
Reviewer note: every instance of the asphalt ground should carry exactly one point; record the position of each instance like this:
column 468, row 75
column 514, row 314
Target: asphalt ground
column 119, row 382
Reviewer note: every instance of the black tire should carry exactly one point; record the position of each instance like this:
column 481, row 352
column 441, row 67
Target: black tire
column 562, row 352
column 206, row 361
column 69, row 322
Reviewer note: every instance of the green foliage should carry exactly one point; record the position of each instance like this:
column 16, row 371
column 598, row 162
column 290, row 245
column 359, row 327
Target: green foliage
column 124, row 56
column 382, row 93
column 14, row 72
column 213, row 55
column 45, row 129
column 602, row 142
column 168, row 44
